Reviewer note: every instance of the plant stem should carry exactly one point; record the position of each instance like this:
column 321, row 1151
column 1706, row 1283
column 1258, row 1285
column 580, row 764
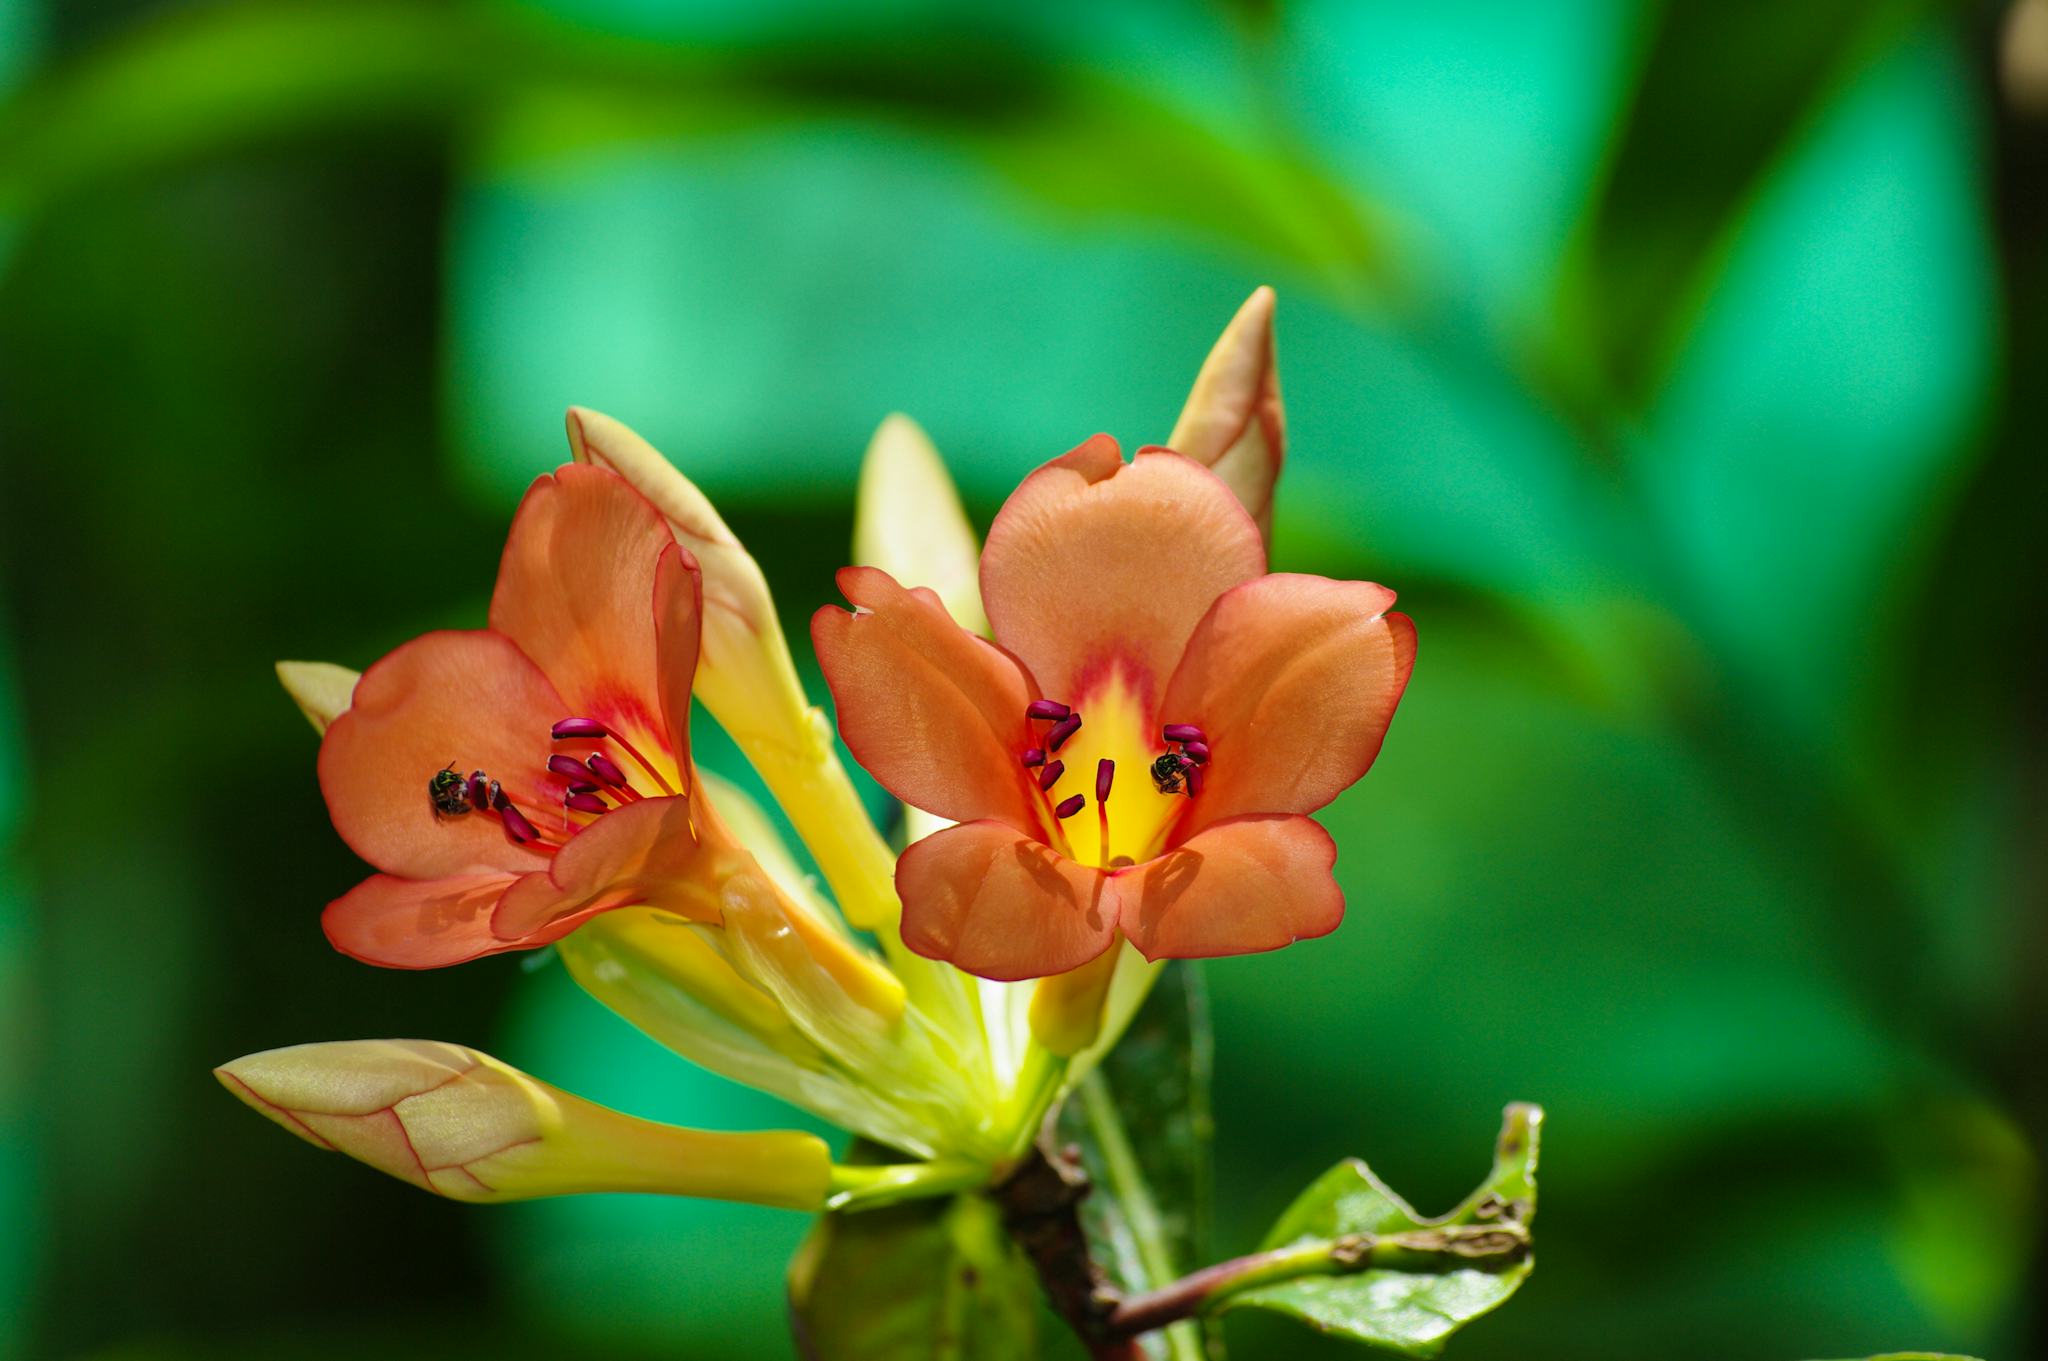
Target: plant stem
column 861, row 1187
column 1199, row 1292
column 1126, row 1179
column 1038, row 1082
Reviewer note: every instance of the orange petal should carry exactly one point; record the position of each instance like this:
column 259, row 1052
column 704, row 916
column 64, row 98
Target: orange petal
column 470, row 698
column 418, row 923
column 1294, row 680
column 995, row 903
column 1242, row 886
column 646, row 853
column 1094, row 566
column 1233, row 423
column 678, row 617
column 933, row 712
column 576, row 591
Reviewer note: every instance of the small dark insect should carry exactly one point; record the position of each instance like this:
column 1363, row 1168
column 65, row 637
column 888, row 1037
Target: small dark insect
column 1170, row 772
column 449, row 792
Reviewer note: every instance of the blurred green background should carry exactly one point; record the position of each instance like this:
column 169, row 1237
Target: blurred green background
column 1681, row 364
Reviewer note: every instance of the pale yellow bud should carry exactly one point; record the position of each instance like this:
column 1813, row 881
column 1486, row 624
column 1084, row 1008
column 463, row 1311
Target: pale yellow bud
column 908, row 521
column 1233, row 421
column 322, row 690
column 461, row 1124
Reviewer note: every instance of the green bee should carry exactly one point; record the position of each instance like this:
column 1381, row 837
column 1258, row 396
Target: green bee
column 1170, row 772
column 449, row 792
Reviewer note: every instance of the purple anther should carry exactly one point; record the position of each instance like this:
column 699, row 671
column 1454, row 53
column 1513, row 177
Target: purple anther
column 585, row 788
column 516, row 826
column 606, row 769
column 1061, row 731
column 1046, row 708
column 1193, row 776
column 479, row 790
column 579, row 727
column 1033, row 756
column 1184, row 732
column 568, row 767
column 1070, row 806
column 587, row 803
column 499, row 799
column 1198, row 752
column 1050, row 776
column 1105, row 774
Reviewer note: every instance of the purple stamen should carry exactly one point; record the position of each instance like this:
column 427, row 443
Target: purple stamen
column 516, row 826
column 1183, row 732
column 1198, row 752
column 1050, row 776
column 606, row 769
column 568, row 767
column 1070, row 806
column 579, row 727
column 1033, row 756
column 479, row 790
column 1194, row 779
column 1105, row 774
column 587, row 803
column 585, row 788
column 499, row 799
column 1046, row 708
column 1061, row 731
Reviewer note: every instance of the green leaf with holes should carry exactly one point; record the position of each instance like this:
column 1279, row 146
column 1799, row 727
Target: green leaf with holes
column 1417, row 1290
column 931, row 1280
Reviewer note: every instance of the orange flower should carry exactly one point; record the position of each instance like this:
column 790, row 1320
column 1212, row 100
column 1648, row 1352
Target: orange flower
column 513, row 781
column 1137, row 753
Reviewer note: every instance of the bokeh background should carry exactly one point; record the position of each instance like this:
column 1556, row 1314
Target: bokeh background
column 1683, row 365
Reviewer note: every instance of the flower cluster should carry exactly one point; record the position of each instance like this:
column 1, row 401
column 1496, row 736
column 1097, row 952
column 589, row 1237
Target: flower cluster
column 1108, row 728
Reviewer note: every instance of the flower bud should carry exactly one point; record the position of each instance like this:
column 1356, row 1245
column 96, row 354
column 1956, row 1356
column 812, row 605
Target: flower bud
column 463, row 1125
column 909, row 522
column 322, row 690
column 1233, row 422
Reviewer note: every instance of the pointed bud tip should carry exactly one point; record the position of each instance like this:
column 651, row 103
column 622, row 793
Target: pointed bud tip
column 322, row 690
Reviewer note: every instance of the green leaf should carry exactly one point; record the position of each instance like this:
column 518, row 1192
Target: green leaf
column 528, row 87
column 931, row 1280
column 1652, row 233
column 1424, row 1284
column 1143, row 1126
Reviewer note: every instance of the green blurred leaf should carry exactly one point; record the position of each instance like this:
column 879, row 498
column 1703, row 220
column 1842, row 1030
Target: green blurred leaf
column 931, row 1280
column 1828, row 394
column 1411, row 1306
column 1654, row 229
column 529, row 88
column 1143, row 1126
